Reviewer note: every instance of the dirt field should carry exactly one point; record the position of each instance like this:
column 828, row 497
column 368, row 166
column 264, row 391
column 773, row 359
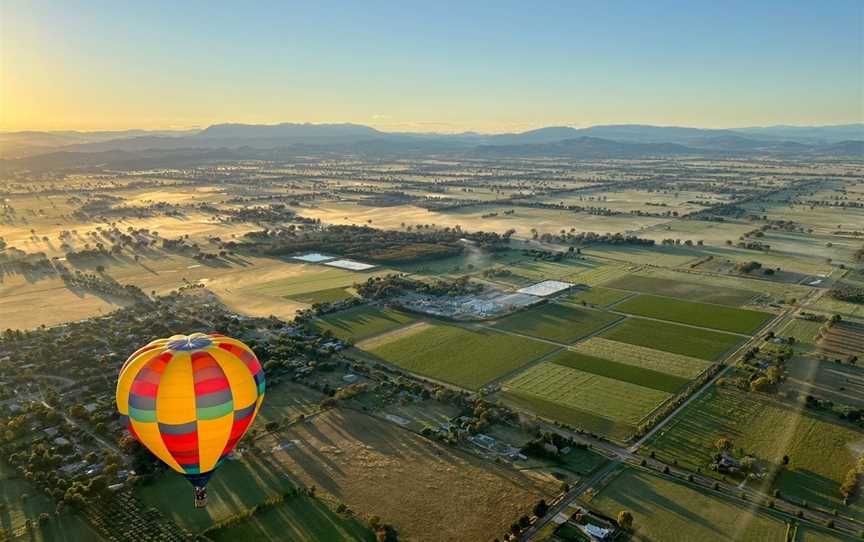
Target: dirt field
column 429, row 492
column 26, row 305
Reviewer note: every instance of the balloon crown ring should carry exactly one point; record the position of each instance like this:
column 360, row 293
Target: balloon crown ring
column 196, row 341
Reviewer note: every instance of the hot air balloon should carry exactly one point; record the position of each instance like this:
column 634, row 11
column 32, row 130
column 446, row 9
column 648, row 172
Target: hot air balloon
column 189, row 399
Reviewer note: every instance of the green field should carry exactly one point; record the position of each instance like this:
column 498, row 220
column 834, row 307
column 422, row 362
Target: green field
column 691, row 291
column 804, row 331
column 300, row 518
column 287, row 400
column 24, row 501
column 598, row 295
column 579, row 391
column 808, row 533
column 686, row 341
column 237, row 486
column 646, row 358
column 561, row 323
column 667, row 510
column 619, row 371
column 362, row 322
column 819, row 448
column 697, row 314
column 323, row 296
column 842, row 384
column 466, row 357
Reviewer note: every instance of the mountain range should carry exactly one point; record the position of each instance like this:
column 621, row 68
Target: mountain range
column 50, row 150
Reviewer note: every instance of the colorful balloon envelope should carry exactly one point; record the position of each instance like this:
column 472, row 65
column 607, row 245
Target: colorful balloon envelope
column 189, row 399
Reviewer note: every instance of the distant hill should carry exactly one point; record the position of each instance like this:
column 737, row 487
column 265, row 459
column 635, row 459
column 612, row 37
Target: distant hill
column 286, row 131
column 587, row 147
column 289, row 139
column 540, row 135
column 807, row 134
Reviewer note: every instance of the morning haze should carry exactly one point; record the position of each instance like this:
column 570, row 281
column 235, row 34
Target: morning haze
column 446, row 272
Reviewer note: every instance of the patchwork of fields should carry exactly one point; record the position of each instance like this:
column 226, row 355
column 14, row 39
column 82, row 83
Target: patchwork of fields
column 821, row 450
column 598, row 295
column 561, row 323
column 669, row 510
column 722, row 295
column 686, row 341
column 620, row 371
column 646, row 358
column 359, row 323
column 469, row 358
column 697, row 314
column 620, row 403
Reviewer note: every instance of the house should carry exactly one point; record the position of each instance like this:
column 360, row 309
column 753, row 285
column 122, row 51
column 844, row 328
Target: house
column 50, row 431
column 350, row 378
column 728, row 463
column 597, row 533
column 90, row 407
column 60, row 441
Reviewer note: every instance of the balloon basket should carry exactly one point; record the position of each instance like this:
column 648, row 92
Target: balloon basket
column 200, row 497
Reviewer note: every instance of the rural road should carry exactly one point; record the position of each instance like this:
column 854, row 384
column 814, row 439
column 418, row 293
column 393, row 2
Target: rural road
column 620, row 455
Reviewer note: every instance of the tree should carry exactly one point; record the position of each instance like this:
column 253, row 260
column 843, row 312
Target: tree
column 724, row 444
column 541, row 508
column 625, row 520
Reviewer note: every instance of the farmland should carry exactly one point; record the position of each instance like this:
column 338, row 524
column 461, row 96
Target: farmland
column 697, row 314
column 365, row 462
column 445, row 429
column 684, row 290
column 647, row 358
column 362, row 322
column 842, row 384
column 465, row 357
column 301, row 518
column 577, row 391
column 818, row 447
column 561, row 323
column 669, row 510
column 692, row 342
column 619, row 371
column 600, row 296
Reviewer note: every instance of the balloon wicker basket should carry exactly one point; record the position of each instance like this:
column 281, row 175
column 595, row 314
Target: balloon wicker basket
column 200, row 497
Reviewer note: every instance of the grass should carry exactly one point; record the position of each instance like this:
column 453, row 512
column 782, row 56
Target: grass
column 465, row 357
column 804, row 331
column 698, row 314
column 619, row 371
column 300, row 518
column 664, row 509
column 376, row 468
column 686, row 341
column 561, row 323
column 25, row 501
column 687, row 290
column 579, row 391
column 598, row 295
column 664, row 362
column 237, row 485
column 842, row 384
column 323, row 296
column 557, row 412
column 808, row 533
column 360, row 323
column 820, row 449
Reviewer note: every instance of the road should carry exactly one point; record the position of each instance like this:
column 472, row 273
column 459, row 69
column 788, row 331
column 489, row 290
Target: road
column 628, row 456
column 71, row 421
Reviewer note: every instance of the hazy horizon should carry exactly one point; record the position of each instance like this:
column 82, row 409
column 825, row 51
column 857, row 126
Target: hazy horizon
column 447, row 68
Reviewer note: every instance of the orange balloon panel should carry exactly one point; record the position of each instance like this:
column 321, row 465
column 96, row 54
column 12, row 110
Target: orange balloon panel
column 189, row 399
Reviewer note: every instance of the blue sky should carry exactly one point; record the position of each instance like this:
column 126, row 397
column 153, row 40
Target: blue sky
column 436, row 66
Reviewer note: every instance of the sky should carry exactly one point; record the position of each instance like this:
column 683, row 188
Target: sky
column 488, row 66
